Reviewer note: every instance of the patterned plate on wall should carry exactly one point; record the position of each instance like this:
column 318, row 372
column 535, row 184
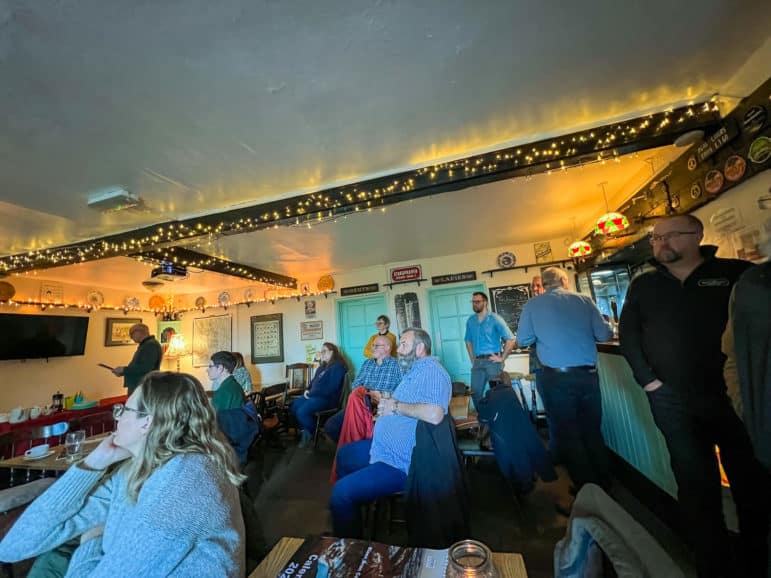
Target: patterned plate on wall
column 157, row 302
column 7, row 291
column 326, row 283
column 249, row 294
column 131, row 302
column 224, row 299
column 507, row 260
column 200, row 303
column 95, row 298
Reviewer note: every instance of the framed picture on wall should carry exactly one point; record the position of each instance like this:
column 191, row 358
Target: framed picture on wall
column 267, row 338
column 117, row 332
column 167, row 330
column 210, row 335
column 311, row 330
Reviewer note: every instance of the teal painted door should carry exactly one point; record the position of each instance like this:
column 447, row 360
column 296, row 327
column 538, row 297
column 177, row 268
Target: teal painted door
column 450, row 308
column 356, row 323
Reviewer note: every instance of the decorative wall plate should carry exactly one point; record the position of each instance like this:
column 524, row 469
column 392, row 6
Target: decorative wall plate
column 326, row 283
column 271, row 294
column 249, row 294
column 734, row 168
column 223, row 299
column 7, row 291
column 507, row 260
column 131, row 302
column 200, row 303
column 713, row 182
column 157, row 302
column 95, row 298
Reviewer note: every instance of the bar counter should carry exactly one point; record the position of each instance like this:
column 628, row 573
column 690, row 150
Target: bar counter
column 627, row 423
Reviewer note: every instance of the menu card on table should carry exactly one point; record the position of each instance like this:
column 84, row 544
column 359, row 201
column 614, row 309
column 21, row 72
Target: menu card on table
column 327, row 557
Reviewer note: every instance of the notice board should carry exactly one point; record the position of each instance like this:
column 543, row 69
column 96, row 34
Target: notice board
column 508, row 301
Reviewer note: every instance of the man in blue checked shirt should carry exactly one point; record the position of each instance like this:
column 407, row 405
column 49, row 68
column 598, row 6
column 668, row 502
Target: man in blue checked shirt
column 368, row 469
column 379, row 373
column 485, row 331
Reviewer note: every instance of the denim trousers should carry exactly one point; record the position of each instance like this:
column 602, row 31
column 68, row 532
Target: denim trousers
column 574, row 405
column 482, row 371
column 359, row 482
column 304, row 408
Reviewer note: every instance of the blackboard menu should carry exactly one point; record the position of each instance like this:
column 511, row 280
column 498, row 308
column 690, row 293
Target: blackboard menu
column 508, row 302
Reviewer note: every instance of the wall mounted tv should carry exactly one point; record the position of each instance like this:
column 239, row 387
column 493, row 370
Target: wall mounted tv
column 41, row 336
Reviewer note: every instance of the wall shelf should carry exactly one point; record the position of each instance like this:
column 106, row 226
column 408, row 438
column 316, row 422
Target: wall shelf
column 561, row 263
column 391, row 285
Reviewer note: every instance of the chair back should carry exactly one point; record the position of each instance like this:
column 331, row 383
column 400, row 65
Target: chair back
column 97, row 423
column 52, row 434
column 298, row 375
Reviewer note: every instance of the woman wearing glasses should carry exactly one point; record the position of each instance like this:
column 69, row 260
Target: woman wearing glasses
column 323, row 393
column 159, row 497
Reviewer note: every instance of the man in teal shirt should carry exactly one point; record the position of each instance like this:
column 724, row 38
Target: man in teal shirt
column 229, row 395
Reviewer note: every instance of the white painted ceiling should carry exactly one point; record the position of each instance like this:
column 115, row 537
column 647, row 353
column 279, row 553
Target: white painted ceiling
column 199, row 106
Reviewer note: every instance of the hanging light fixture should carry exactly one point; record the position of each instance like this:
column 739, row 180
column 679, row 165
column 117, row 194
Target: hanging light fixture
column 610, row 222
column 578, row 248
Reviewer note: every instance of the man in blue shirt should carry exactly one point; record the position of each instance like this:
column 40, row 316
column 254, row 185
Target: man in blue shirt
column 484, row 333
column 380, row 373
column 565, row 326
column 369, row 469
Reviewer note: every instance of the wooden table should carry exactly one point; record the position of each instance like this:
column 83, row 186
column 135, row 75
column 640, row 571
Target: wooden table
column 52, row 463
column 508, row 565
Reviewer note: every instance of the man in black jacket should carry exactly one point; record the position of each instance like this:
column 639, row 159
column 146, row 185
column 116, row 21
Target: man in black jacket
column 670, row 332
column 146, row 358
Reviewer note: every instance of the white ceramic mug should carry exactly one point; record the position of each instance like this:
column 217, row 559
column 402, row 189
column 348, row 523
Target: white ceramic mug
column 37, row 451
column 18, row 414
column 34, row 412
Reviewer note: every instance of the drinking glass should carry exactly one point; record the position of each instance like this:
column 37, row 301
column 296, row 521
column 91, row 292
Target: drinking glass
column 469, row 558
column 80, row 435
column 72, row 443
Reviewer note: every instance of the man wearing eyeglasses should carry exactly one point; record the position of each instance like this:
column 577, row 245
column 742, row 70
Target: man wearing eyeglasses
column 484, row 333
column 670, row 332
column 146, row 358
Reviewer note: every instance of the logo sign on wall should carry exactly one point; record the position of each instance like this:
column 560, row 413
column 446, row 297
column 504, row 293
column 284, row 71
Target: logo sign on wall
column 359, row 290
column 715, row 142
column 402, row 274
column 454, row 278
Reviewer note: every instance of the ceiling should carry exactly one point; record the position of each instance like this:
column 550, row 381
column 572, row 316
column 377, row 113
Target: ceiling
column 201, row 106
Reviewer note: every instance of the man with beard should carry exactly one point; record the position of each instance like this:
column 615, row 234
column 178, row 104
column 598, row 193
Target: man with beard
column 369, row 469
column 670, row 331
column 484, row 333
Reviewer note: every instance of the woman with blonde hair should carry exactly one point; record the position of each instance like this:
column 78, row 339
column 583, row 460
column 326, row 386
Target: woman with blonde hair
column 158, row 497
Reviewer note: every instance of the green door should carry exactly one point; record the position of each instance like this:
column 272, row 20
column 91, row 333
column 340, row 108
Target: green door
column 450, row 308
column 356, row 323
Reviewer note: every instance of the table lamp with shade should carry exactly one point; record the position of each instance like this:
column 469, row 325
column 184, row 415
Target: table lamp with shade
column 177, row 348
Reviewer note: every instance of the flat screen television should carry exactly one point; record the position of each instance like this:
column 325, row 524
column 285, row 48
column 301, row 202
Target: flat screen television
column 41, row 336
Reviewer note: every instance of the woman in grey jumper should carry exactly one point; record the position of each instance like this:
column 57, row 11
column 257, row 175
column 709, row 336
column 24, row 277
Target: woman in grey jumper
column 159, row 497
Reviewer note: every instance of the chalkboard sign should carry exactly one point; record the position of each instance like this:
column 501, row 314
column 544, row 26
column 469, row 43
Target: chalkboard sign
column 508, row 302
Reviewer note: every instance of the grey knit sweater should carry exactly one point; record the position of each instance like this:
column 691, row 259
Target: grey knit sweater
column 186, row 522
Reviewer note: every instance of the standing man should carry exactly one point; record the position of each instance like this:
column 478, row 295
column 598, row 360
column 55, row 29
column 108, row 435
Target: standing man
column 369, row 469
column 670, row 332
column 229, row 394
column 565, row 327
column 146, row 358
column 484, row 333
column 536, row 286
column 381, row 373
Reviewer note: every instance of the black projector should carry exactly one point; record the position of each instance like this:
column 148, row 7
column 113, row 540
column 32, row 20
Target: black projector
column 169, row 272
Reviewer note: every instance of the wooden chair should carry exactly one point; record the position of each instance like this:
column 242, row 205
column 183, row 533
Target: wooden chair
column 324, row 415
column 298, row 377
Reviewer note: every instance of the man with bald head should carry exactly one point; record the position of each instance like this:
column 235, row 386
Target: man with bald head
column 379, row 373
column 146, row 358
column 670, row 330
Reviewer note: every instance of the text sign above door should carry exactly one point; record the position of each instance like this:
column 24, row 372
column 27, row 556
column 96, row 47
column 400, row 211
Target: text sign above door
column 454, row 278
column 401, row 274
column 359, row 289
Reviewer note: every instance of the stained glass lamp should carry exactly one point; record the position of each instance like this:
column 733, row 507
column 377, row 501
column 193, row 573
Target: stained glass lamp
column 611, row 223
column 579, row 249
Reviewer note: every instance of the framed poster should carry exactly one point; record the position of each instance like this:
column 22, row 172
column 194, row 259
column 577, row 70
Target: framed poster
column 117, row 332
column 311, row 330
column 267, row 338
column 167, row 330
column 407, row 311
column 210, row 335
column 508, row 301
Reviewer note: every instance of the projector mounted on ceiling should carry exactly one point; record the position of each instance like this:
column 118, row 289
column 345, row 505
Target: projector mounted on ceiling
column 169, row 272
column 114, row 199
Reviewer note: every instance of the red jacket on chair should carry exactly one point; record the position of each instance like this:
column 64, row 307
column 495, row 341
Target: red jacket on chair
column 357, row 423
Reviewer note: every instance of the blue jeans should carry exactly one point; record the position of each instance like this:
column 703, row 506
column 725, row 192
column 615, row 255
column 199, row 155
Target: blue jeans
column 482, row 372
column 574, row 404
column 303, row 410
column 359, row 482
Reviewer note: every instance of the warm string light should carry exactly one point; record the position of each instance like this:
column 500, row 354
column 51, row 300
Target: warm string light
column 603, row 143
column 44, row 305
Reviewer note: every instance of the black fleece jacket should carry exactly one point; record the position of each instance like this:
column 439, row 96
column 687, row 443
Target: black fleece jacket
column 671, row 330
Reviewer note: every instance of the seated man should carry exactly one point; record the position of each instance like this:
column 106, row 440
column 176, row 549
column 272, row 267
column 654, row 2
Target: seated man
column 369, row 469
column 229, row 394
column 380, row 373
